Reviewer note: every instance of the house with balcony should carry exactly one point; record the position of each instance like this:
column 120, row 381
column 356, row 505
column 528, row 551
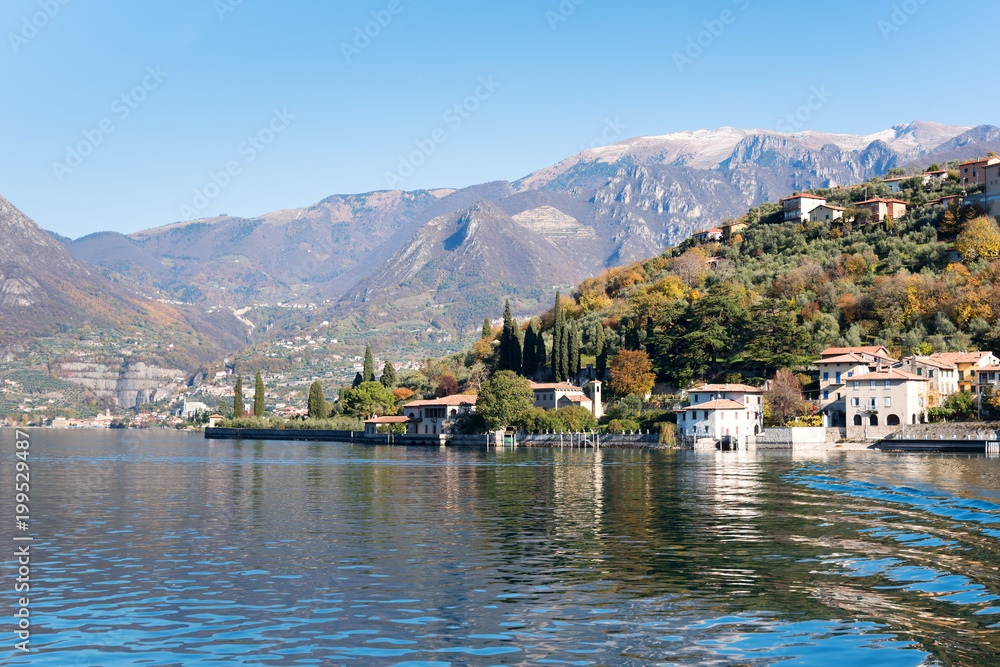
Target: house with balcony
column 881, row 402
column 751, row 398
column 883, row 209
column 717, row 420
column 437, row 416
column 798, row 207
column 967, row 365
column 972, row 172
column 942, row 374
column 988, row 378
column 834, row 374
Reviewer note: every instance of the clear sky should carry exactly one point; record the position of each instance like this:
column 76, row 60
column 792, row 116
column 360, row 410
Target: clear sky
column 122, row 115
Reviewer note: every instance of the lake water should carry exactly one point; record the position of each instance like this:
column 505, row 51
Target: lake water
column 154, row 548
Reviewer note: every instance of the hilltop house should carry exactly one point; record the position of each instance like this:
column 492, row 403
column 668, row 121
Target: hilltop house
column 716, row 420
column 707, row 236
column 798, row 207
column 437, row 416
column 555, row 395
column 991, row 197
column 880, row 403
column 751, row 398
column 972, row 172
column 826, row 213
column 883, row 209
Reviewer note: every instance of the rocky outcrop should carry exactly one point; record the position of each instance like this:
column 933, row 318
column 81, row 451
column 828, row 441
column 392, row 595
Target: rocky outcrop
column 127, row 385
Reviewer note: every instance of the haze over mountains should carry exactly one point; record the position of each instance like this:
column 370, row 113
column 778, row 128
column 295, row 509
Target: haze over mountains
column 449, row 254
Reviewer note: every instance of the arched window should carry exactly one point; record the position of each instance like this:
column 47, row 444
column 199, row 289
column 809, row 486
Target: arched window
column 857, row 420
column 892, row 420
column 874, row 421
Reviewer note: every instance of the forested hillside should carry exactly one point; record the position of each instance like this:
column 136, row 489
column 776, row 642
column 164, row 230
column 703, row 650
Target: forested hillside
column 777, row 293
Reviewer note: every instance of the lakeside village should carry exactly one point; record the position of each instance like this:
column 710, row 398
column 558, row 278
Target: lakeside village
column 548, row 375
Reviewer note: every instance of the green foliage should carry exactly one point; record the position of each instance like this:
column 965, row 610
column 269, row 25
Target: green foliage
column 509, row 353
column 388, row 378
column 503, row 399
column 369, row 399
column 339, row 424
column 529, row 357
column 238, row 397
column 368, row 374
column 487, row 329
column 258, row 396
column 316, row 407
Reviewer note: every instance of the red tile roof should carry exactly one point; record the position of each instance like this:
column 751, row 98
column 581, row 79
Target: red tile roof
column 723, row 404
column 893, row 374
column 937, row 363
column 457, row 399
column 804, row 195
column 880, row 200
column 741, row 388
column 876, row 350
column 554, row 386
column 843, row 359
column 388, row 419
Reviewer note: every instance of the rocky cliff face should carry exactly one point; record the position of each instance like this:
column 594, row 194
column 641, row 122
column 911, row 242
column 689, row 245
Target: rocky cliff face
column 127, row 385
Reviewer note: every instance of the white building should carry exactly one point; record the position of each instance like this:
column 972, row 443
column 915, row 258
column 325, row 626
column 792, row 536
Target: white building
column 798, row 207
column 751, row 398
column 437, row 416
column 716, row 420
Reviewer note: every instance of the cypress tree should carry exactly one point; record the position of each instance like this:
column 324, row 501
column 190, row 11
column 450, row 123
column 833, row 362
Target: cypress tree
column 574, row 351
column 238, row 397
column 529, row 363
column 558, row 345
column 600, row 352
column 563, row 356
column 540, row 353
column 514, row 350
column 388, row 378
column 504, row 353
column 317, row 401
column 487, row 329
column 258, row 396
column 369, row 374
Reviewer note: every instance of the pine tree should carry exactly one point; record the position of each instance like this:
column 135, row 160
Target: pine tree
column 388, row 378
column 358, row 379
column 487, row 329
column 369, row 373
column 529, row 362
column 258, row 396
column 238, row 397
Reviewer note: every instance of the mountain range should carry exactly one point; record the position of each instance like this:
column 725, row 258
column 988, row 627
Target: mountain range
column 447, row 256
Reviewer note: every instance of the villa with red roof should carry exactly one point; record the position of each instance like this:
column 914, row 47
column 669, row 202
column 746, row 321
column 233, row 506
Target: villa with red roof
column 751, row 398
column 973, row 172
column 437, row 416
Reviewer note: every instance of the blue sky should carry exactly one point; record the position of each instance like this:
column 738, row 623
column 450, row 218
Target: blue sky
column 123, row 115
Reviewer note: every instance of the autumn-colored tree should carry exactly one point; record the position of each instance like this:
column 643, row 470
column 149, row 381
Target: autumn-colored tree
column 784, row 397
column 402, row 394
column 631, row 372
column 979, row 239
column 447, row 385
